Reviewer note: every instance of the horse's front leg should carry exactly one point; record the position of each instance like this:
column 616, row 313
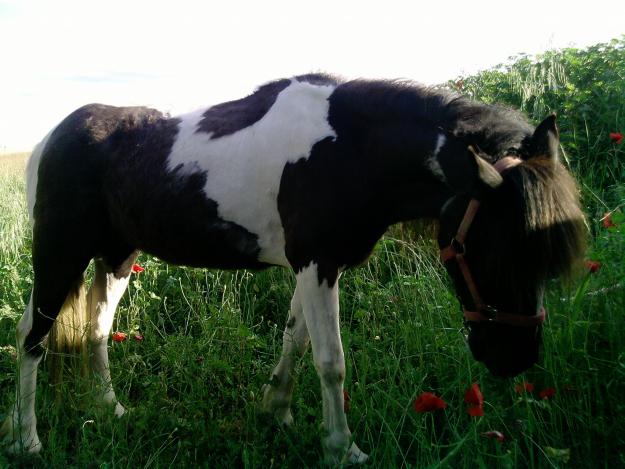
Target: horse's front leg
column 279, row 391
column 320, row 304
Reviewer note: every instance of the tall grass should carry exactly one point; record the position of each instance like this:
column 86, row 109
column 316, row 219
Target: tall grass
column 211, row 338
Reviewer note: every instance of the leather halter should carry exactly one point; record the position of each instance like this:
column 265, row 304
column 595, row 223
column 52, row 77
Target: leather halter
column 457, row 250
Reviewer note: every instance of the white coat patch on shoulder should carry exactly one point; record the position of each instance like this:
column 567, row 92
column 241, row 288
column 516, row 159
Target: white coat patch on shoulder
column 244, row 168
column 432, row 161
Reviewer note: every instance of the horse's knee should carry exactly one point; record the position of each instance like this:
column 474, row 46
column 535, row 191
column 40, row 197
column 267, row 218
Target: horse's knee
column 331, row 371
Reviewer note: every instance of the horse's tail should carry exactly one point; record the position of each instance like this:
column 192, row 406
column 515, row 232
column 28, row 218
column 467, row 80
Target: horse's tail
column 67, row 340
column 66, row 343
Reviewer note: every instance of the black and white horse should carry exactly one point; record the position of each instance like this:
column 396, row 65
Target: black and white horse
column 306, row 173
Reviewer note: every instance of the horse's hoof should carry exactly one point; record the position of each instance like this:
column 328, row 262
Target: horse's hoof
column 24, row 447
column 336, row 455
column 275, row 407
column 355, row 455
column 27, row 442
column 120, row 410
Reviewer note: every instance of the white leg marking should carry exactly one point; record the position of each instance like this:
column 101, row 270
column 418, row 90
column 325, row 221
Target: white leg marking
column 320, row 305
column 19, row 430
column 278, row 393
column 102, row 299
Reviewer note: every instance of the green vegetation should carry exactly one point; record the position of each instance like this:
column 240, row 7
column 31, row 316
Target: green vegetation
column 210, row 338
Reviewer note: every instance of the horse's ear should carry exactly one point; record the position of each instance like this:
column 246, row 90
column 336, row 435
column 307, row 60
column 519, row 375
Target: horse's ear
column 485, row 173
column 546, row 139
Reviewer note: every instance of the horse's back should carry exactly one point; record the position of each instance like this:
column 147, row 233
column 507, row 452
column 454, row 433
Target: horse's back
column 199, row 189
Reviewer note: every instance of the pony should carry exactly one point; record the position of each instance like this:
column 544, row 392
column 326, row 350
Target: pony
column 306, row 173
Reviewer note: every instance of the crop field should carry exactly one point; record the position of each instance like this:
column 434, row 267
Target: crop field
column 201, row 343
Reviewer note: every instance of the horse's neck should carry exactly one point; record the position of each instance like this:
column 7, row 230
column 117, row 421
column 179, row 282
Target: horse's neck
column 408, row 176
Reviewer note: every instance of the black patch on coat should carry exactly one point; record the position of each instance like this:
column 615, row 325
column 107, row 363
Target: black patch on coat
column 228, row 118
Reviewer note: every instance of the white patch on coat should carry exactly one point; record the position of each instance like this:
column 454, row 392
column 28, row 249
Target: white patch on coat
column 32, row 169
column 432, row 162
column 244, row 168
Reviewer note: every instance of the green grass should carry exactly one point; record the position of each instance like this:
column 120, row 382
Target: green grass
column 211, row 339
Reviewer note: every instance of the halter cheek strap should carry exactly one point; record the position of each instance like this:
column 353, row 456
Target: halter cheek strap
column 457, row 250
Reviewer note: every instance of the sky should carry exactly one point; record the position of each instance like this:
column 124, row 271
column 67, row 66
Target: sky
column 56, row 55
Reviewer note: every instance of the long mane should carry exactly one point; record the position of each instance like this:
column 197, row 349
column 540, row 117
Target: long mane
column 494, row 129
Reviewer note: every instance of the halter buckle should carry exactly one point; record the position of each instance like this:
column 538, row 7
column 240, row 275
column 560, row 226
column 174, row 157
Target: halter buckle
column 457, row 246
column 490, row 313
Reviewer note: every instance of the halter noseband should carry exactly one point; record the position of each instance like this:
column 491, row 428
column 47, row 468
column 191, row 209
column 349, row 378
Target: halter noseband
column 456, row 250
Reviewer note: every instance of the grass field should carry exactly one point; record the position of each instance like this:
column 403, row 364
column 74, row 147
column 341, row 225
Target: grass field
column 211, row 338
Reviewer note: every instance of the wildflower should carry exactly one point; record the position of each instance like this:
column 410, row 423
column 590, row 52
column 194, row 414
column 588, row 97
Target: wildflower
column 547, row 393
column 592, row 266
column 607, row 221
column 475, row 399
column 346, row 404
column 616, row 137
column 137, row 269
column 428, row 402
column 497, row 435
column 138, row 337
column 119, row 336
column 524, row 387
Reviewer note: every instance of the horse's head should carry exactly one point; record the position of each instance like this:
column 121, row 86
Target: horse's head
column 510, row 227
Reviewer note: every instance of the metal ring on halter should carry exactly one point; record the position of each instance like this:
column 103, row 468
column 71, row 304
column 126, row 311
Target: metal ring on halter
column 457, row 246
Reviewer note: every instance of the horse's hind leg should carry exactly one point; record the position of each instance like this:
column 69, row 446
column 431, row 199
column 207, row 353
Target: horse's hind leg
column 58, row 278
column 19, row 430
column 107, row 289
column 279, row 391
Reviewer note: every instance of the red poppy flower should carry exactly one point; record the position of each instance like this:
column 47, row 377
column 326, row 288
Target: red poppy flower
column 428, row 402
column 475, row 399
column 616, row 137
column 593, row 266
column 137, row 269
column 547, row 393
column 524, row 387
column 474, row 395
column 607, row 221
column 346, row 404
column 119, row 336
column 475, row 411
column 138, row 337
column 497, row 435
